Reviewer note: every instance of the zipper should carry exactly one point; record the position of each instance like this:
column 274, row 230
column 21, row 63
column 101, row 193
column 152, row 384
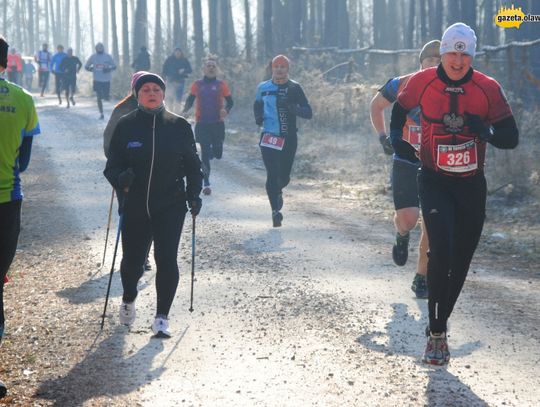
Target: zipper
column 151, row 166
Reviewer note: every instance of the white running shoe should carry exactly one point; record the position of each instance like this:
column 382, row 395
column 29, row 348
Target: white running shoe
column 160, row 327
column 127, row 313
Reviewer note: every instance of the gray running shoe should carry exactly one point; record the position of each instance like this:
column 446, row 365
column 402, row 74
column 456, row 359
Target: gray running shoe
column 436, row 352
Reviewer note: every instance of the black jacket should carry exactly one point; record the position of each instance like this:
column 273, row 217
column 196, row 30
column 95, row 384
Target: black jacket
column 160, row 158
column 172, row 67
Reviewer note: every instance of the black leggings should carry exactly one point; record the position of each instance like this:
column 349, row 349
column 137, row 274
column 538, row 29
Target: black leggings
column 210, row 136
column 454, row 210
column 138, row 231
column 10, row 226
column 278, row 166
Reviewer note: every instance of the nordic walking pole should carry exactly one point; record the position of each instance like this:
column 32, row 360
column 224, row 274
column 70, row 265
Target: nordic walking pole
column 192, row 261
column 120, row 222
column 108, row 227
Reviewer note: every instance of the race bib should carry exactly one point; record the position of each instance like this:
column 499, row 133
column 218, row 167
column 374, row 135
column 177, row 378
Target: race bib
column 457, row 158
column 414, row 136
column 272, row 141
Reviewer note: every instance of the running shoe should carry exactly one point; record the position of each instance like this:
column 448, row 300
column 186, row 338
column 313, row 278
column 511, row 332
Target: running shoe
column 72, row 100
column 419, row 286
column 207, row 190
column 436, row 352
column 101, row 117
column 400, row 251
column 277, row 217
column 127, row 313
column 160, row 327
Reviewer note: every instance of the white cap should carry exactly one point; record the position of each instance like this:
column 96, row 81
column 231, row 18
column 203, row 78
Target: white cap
column 459, row 37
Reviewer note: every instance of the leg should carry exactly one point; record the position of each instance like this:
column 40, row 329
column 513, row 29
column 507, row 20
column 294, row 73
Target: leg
column 202, row 137
column 438, row 211
column 469, row 224
column 166, row 230
column 271, row 159
column 136, row 236
column 10, row 220
column 218, row 137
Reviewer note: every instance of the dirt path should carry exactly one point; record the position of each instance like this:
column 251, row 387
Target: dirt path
column 311, row 314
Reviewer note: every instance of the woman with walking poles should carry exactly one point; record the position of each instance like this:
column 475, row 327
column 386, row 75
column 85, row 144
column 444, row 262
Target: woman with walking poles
column 153, row 159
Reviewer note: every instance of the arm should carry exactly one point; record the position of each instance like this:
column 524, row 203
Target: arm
column 89, row 66
column 189, row 102
column 376, row 112
column 191, row 165
column 228, row 103
column 116, row 162
column 258, row 108
column 505, row 134
column 79, row 65
column 300, row 107
column 24, row 153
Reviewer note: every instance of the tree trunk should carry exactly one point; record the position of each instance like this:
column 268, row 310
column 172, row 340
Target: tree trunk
column 67, row 34
column 488, row 26
column 59, row 23
column 379, row 26
column 224, row 28
column 92, row 39
column 423, row 22
column 267, row 23
column 140, row 34
column 169, row 44
column 31, row 40
column 105, row 19
column 212, row 26
column 177, row 25
column 436, row 22
column 454, row 11
column 409, row 34
column 54, row 24
column 184, row 32
column 158, row 44
column 78, row 44
column 198, row 31
column 296, row 16
column 248, row 36
column 125, row 33
column 468, row 13
column 114, row 32
column 260, row 32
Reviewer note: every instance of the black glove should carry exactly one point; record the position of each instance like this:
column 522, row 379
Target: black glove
column 386, row 144
column 477, row 126
column 126, row 178
column 195, row 205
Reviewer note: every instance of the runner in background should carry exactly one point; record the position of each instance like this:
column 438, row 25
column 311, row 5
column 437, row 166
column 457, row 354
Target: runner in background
column 278, row 102
column 101, row 65
column 57, row 71
column 19, row 123
column 405, row 166
column 28, row 72
column 71, row 65
column 213, row 103
column 462, row 110
column 175, row 71
column 15, row 67
column 43, row 59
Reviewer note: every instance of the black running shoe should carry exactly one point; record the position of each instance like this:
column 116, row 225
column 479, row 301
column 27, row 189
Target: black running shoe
column 277, row 217
column 419, row 286
column 400, row 251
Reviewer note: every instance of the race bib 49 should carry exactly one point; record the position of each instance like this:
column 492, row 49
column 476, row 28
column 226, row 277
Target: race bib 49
column 272, row 141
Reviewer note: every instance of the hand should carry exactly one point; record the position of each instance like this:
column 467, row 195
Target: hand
column 477, row 126
column 126, row 178
column 386, row 144
column 223, row 113
column 259, row 121
column 195, row 206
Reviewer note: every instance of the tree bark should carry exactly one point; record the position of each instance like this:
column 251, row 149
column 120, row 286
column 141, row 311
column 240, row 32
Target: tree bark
column 267, row 23
column 158, row 44
column 31, row 40
column 125, row 34
column 114, row 32
column 184, row 31
column 212, row 26
column 409, row 34
column 78, row 44
column 177, row 25
column 105, row 20
column 248, row 36
column 140, row 33
column 198, row 31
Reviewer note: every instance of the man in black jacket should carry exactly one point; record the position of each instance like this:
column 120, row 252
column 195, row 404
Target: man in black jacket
column 175, row 71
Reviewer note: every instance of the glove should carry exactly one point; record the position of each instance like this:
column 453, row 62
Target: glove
column 478, row 127
column 386, row 144
column 126, row 178
column 259, row 121
column 195, row 205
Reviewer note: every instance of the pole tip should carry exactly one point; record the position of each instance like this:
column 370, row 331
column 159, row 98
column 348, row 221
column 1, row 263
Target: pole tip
column 191, row 309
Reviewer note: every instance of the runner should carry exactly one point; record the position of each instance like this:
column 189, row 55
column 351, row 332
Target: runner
column 56, row 63
column 43, row 59
column 19, row 122
column 101, row 64
column 462, row 109
column 71, row 65
column 15, row 66
column 209, row 115
column 277, row 104
column 175, row 71
column 404, row 168
column 151, row 152
column 28, row 72
column 142, row 61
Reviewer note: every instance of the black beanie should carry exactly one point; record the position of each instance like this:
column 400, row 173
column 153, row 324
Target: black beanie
column 146, row 78
column 3, row 52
